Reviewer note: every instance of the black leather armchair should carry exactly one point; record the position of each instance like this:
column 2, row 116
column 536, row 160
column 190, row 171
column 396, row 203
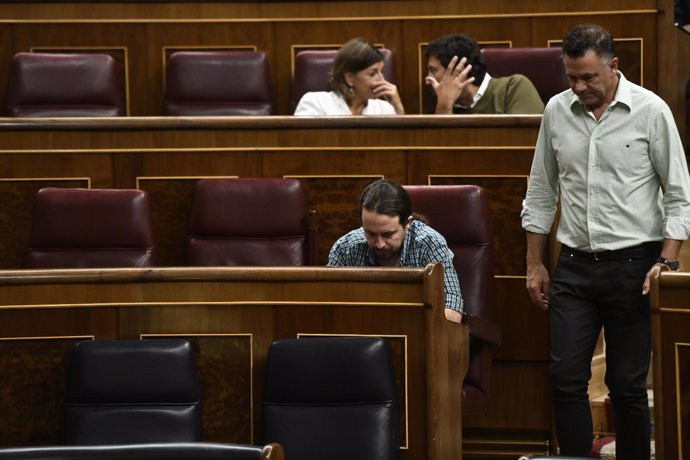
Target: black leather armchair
column 331, row 398
column 168, row 451
column 132, row 391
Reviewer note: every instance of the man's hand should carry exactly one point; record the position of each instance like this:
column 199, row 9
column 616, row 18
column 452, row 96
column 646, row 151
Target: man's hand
column 452, row 84
column 647, row 285
column 538, row 285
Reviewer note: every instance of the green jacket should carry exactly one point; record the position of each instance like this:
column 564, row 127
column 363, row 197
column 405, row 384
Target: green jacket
column 507, row 95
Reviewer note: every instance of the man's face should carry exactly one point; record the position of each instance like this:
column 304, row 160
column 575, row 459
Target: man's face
column 592, row 78
column 385, row 234
column 435, row 68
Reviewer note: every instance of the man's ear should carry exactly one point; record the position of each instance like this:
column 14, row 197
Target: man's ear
column 614, row 63
column 408, row 222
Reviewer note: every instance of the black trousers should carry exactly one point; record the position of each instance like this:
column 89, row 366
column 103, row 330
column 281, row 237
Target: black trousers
column 588, row 292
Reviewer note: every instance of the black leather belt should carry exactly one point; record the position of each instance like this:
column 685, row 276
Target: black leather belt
column 650, row 249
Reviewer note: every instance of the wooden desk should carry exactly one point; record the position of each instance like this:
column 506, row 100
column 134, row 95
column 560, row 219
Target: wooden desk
column 231, row 315
column 670, row 304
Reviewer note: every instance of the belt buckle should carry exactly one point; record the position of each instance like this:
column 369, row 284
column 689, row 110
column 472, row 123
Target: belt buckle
column 596, row 256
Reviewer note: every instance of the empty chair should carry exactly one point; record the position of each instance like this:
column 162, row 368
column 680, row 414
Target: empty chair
column 64, row 85
column 170, row 451
column 132, row 391
column 543, row 66
column 313, row 68
column 331, row 398
column 218, row 83
column 259, row 222
column 91, row 228
column 461, row 214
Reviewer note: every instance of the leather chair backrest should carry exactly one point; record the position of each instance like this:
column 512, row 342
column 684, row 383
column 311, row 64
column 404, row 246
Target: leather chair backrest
column 218, row 83
column 543, row 66
column 461, row 214
column 313, row 70
column 331, row 398
column 168, row 451
column 91, row 228
column 64, row 85
column 132, row 391
column 253, row 222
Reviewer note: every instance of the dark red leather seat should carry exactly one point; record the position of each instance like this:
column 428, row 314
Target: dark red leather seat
column 253, row 222
column 313, row 67
column 218, row 83
column 64, row 85
column 461, row 214
column 91, row 228
column 543, row 66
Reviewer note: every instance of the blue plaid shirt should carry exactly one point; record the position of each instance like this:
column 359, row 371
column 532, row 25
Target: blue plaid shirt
column 422, row 245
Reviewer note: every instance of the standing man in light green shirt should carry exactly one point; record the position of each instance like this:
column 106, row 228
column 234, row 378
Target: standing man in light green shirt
column 610, row 150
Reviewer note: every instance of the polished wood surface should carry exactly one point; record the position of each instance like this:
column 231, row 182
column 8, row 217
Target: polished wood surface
column 670, row 304
column 231, row 315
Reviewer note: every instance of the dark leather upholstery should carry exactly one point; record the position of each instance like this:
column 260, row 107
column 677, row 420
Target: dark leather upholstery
column 218, row 83
column 543, row 66
column 132, row 391
column 461, row 214
column 64, row 85
column 256, row 222
column 313, row 68
column 89, row 228
column 331, row 398
column 168, row 451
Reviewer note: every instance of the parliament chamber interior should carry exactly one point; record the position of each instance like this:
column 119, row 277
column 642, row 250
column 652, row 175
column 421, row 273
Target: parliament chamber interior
column 165, row 130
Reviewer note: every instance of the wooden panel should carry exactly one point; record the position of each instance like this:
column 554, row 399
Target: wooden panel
column 670, row 305
column 525, row 331
column 336, row 202
column 34, row 371
column 224, row 363
column 505, row 202
column 171, row 205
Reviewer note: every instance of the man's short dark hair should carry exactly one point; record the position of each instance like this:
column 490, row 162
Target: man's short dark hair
column 585, row 37
column 388, row 198
column 462, row 46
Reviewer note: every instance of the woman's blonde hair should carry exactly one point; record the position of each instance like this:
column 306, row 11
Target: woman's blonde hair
column 354, row 56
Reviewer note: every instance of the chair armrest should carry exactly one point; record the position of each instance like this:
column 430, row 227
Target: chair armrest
column 482, row 328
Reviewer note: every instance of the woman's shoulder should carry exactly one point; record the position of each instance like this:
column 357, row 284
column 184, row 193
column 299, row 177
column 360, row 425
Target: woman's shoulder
column 319, row 103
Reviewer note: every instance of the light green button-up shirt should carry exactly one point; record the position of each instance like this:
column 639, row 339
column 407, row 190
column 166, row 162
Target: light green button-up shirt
column 623, row 180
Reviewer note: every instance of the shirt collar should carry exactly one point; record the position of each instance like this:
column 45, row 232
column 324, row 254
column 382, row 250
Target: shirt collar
column 480, row 91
